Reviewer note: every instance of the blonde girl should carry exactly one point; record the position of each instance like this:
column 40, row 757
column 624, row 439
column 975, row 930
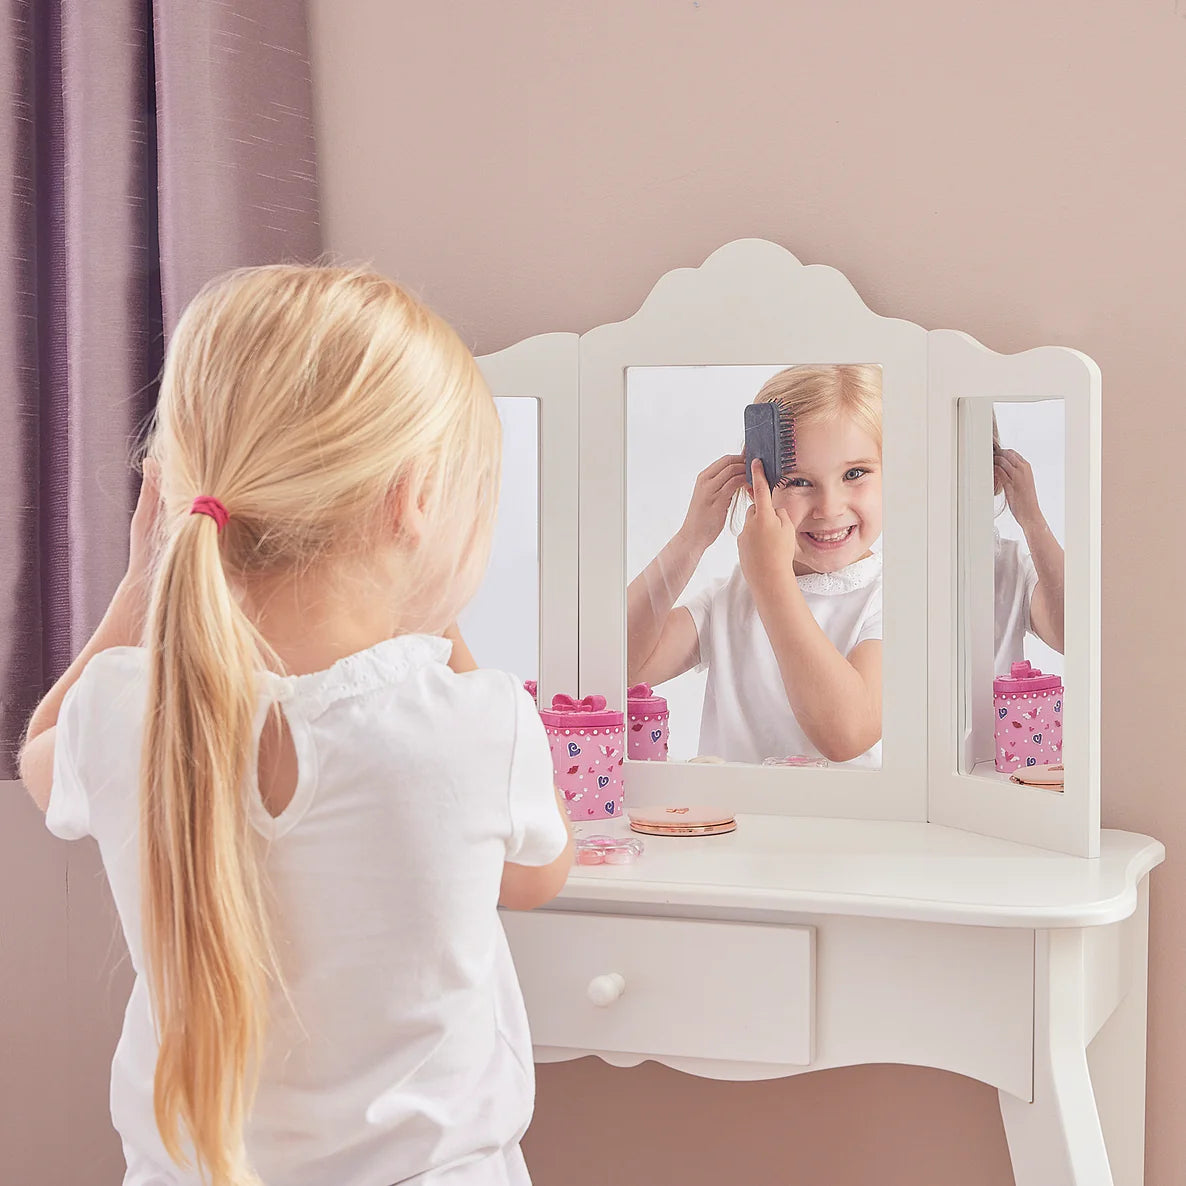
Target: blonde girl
column 791, row 641
column 327, row 813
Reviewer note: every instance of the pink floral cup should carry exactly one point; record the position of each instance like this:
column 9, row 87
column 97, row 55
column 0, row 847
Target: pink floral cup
column 587, row 741
column 1028, row 718
column 646, row 735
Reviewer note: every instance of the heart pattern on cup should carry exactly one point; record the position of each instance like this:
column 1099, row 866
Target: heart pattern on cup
column 610, row 806
column 1037, row 739
column 602, row 781
column 1031, row 761
column 656, row 734
column 573, row 749
column 1058, row 706
column 1002, row 713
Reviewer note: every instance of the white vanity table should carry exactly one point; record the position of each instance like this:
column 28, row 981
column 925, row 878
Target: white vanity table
column 813, row 943
column 920, row 914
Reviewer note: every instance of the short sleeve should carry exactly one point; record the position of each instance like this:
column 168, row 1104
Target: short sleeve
column 700, row 606
column 870, row 628
column 538, row 833
column 68, row 815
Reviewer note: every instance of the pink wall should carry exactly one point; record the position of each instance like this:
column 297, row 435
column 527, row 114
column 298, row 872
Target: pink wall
column 1014, row 170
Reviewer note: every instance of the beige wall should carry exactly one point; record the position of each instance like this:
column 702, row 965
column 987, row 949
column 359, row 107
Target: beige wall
column 1015, row 170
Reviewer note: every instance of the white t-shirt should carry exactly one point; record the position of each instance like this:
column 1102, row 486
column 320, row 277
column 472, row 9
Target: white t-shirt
column 1014, row 581
column 408, row 1057
column 746, row 716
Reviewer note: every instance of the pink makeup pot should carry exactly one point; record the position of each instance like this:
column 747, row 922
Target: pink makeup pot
column 646, row 735
column 1028, row 729
column 588, row 744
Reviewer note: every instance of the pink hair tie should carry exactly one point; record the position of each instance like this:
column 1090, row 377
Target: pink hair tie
column 205, row 505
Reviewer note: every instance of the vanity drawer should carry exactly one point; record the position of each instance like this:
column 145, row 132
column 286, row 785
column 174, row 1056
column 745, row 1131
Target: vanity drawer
column 739, row 992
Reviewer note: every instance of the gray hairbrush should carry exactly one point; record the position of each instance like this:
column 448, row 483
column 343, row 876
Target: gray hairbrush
column 770, row 439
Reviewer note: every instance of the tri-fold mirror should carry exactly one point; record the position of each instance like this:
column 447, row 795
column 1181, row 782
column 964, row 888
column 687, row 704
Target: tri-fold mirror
column 940, row 520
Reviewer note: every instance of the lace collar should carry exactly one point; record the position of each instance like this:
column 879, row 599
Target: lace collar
column 854, row 576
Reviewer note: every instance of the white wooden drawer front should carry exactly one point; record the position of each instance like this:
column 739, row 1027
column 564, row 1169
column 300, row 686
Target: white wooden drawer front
column 740, row 992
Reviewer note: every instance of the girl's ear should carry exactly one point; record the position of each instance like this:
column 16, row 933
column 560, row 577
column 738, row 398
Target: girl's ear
column 405, row 509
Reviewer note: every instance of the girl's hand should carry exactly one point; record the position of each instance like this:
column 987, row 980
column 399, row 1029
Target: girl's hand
column 769, row 540
column 711, row 497
column 1017, row 481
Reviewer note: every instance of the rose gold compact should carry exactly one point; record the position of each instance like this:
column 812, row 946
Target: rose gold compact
column 682, row 821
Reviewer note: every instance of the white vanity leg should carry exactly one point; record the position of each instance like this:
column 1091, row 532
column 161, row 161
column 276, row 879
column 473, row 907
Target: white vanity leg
column 1057, row 1139
column 1116, row 1056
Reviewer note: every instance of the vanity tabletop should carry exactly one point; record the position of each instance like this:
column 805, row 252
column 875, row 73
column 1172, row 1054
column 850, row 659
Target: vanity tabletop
column 874, row 869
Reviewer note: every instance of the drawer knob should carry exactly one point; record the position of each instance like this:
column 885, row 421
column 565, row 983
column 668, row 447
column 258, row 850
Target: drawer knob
column 604, row 990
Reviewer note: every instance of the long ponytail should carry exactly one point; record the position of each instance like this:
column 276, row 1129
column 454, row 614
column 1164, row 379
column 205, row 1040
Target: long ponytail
column 204, row 925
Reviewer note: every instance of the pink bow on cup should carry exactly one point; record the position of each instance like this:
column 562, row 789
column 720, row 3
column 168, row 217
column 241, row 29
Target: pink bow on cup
column 563, row 703
column 639, row 692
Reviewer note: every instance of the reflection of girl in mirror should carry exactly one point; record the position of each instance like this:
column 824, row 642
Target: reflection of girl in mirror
column 791, row 641
column 1028, row 586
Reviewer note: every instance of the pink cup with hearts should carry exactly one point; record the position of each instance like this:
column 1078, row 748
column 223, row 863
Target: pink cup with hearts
column 646, row 721
column 1028, row 718
column 588, row 744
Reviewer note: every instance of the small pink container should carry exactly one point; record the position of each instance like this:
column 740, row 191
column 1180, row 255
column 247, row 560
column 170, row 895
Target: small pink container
column 588, row 742
column 1029, row 718
column 532, row 690
column 646, row 740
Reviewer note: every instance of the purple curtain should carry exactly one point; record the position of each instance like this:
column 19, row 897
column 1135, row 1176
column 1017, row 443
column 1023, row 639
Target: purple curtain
column 151, row 146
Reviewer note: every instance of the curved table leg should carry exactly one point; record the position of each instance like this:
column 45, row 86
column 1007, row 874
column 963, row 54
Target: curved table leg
column 1057, row 1140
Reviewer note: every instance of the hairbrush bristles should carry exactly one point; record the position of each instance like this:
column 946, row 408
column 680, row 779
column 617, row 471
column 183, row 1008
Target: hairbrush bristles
column 770, row 439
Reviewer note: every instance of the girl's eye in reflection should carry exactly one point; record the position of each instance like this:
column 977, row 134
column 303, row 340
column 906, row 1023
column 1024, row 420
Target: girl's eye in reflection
column 855, row 473
column 798, row 483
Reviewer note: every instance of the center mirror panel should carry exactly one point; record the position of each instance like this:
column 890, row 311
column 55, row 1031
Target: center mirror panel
column 757, row 621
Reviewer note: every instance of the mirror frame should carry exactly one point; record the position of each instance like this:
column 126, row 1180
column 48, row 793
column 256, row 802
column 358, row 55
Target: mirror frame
column 753, row 302
column 961, row 369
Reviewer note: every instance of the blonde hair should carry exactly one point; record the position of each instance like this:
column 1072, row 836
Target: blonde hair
column 306, row 400
column 821, row 393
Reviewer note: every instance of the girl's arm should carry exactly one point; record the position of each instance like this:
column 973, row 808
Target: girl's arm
column 836, row 699
column 524, row 887
column 1047, row 618
column 661, row 644
column 122, row 625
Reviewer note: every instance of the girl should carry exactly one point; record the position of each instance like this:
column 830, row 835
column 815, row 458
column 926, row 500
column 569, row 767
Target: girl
column 1028, row 586
column 792, row 640
column 307, row 878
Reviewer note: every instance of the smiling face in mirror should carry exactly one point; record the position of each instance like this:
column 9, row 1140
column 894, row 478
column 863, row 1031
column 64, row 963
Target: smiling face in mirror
column 833, row 495
column 756, row 611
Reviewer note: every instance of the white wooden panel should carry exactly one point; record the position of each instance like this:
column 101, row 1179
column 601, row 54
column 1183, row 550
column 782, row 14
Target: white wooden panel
column 961, row 368
column 733, row 991
column 545, row 368
column 752, row 302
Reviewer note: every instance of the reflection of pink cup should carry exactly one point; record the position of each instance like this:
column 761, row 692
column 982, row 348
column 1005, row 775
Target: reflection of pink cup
column 647, row 721
column 1028, row 718
column 587, row 750
column 532, row 689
